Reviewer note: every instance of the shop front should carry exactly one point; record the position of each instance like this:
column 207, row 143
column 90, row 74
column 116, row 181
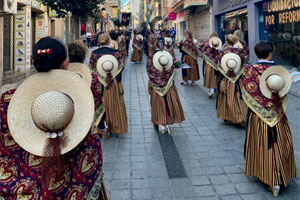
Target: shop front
column 276, row 21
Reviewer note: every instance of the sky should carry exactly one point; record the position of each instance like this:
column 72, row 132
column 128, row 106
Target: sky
column 122, row 2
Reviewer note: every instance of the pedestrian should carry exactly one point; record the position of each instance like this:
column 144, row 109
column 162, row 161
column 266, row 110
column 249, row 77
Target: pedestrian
column 77, row 54
column 165, row 103
column 89, row 39
column 128, row 38
column 106, row 62
column 209, row 52
column 151, row 42
column 40, row 155
column 230, row 105
column 169, row 46
column 190, row 70
column 241, row 43
column 137, row 45
column 122, row 46
column 173, row 33
column 269, row 153
column 114, row 40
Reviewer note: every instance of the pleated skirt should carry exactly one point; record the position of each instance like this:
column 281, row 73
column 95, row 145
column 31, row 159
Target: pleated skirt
column 193, row 72
column 137, row 55
column 160, row 107
column 210, row 78
column 115, row 109
column 230, row 105
column 274, row 166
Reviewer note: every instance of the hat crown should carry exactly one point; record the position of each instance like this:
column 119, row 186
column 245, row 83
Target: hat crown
column 52, row 111
column 275, row 82
column 107, row 65
column 231, row 63
column 163, row 60
column 215, row 42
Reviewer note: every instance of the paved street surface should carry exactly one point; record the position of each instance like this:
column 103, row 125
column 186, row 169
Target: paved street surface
column 207, row 160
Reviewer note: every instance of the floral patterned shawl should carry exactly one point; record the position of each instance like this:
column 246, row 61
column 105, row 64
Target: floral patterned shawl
column 137, row 43
column 160, row 81
column 237, row 51
column 209, row 54
column 189, row 48
column 255, row 100
column 20, row 174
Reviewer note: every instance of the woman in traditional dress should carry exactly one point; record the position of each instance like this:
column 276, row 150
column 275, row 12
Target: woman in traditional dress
column 122, row 47
column 151, row 42
column 241, row 44
column 137, row 46
column 169, row 46
column 269, row 153
column 52, row 165
column 209, row 52
column 77, row 54
column 165, row 103
column 111, row 86
column 230, row 105
column 190, row 55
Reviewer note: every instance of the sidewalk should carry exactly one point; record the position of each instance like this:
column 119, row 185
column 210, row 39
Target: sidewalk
column 211, row 152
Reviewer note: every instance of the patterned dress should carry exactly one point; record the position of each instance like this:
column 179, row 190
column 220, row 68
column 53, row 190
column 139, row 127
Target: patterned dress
column 113, row 99
column 210, row 62
column 20, row 171
column 269, row 153
column 151, row 43
column 190, row 58
column 137, row 53
column 165, row 103
column 230, row 105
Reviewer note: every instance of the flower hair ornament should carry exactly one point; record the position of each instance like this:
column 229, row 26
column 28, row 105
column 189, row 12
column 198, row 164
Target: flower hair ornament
column 44, row 51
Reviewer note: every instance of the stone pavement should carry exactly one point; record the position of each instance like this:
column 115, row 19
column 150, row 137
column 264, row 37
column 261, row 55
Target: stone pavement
column 211, row 151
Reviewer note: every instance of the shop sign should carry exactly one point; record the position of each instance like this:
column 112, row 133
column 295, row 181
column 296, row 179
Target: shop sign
column 188, row 3
column 20, row 40
column 40, row 27
column 282, row 12
column 172, row 16
column 180, row 14
column 32, row 3
column 231, row 4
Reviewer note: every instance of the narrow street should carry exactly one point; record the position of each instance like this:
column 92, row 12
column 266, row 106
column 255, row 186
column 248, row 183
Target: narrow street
column 201, row 160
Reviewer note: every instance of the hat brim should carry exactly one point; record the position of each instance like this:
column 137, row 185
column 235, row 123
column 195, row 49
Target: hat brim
column 156, row 57
column 103, row 73
column 228, row 56
column 82, row 70
column 139, row 37
column 20, row 122
column 275, row 70
column 211, row 40
column 239, row 45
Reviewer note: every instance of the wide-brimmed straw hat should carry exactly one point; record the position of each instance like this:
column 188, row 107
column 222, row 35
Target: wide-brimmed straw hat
column 106, row 64
column 139, row 37
column 231, row 61
column 47, row 106
column 114, row 44
column 239, row 45
column 215, row 42
column 82, row 70
column 275, row 79
column 162, row 60
column 195, row 42
column 168, row 40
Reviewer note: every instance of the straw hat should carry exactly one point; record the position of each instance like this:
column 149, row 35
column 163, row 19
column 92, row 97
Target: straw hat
column 168, row 40
column 215, row 42
column 114, row 44
column 162, row 60
column 82, row 70
column 107, row 63
column 275, row 78
column 239, row 45
column 231, row 61
column 195, row 41
column 139, row 37
column 49, row 105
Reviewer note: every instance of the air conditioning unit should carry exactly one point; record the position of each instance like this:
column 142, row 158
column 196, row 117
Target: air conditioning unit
column 8, row 7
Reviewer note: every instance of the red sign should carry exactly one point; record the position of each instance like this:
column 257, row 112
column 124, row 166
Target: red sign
column 172, row 16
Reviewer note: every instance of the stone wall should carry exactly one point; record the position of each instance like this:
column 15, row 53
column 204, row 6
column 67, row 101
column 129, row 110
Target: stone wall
column 199, row 24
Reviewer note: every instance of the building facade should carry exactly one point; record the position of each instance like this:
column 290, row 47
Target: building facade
column 272, row 20
column 192, row 15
